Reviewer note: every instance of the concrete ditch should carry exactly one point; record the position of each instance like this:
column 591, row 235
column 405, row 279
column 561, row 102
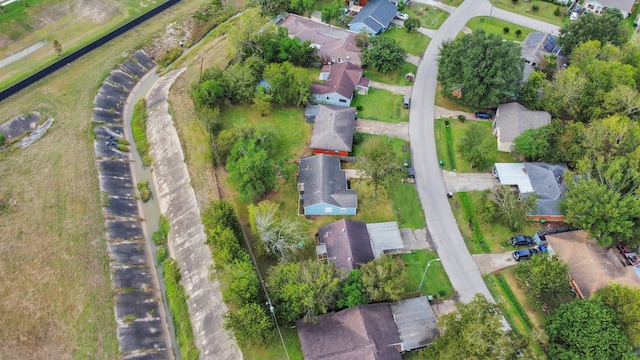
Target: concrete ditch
column 140, row 314
column 187, row 237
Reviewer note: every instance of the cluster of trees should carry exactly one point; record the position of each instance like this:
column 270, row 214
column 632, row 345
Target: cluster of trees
column 379, row 163
column 279, row 236
column 503, row 204
column 547, row 280
column 476, row 146
column 482, row 67
column 606, row 28
column 383, row 54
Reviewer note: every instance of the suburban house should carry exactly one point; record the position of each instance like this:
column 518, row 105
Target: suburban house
column 322, row 186
column 335, row 45
column 340, row 81
column 599, row 6
column 513, row 119
column 373, row 331
column 591, row 266
column 535, row 47
column 375, row 17
column 333, row 129
column 544, row 181
column 350, row 243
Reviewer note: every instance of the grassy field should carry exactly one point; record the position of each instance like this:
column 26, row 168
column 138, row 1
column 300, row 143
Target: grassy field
column 381, row 105
column 496, row 26
column 73, row 27
column 274, row 350
column 393, row 77
column 430, row 17
column 414, row 42
column 485, row 236
column 436, row 282
column 57, row 301
column 545, row 12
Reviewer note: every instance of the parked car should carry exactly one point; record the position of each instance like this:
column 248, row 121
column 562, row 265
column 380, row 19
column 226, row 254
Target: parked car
column 525, row 254
column 521, row 240
column 482, row 115
column 573, row 16
column 402, row 16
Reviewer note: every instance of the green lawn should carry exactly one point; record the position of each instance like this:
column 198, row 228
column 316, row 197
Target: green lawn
column 436, row 282
column 273, row 350
column 486, row 236
column 381, row 105
column 393, row 77
column 545, row 12
column 414, row 42
column 447, row 145
column 496, row 26
column 452, row 2
column 407, row 206
column 448, row 103
column 430, row 17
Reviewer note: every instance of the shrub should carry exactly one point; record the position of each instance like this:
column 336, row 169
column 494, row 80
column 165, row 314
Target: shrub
column 359, row 107
column 556, row 12
column 139, row 130
column 160, row 237
column 505, row 30
column 177, row 300
column 162, row 253
column 169, row 56
column 518, row 33
column 143, row 189
column 3, row 139
column 514, row 1
column 535, row 7
column 358, row 137
column 462, row 118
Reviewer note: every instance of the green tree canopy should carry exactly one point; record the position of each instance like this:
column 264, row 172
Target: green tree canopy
column 250, row 324
column 243, row 286
column 476, row 145
column 251, row 169
column 547, row 279
column 352, row 291
column 305, row 289
column 483, row 66
column 534, row 143
column 384, row 54
column 606, row 28
column 504, row 204
column 378, row 161
column 412, row 23
column 279, row 236
column 475, row 331
column 532, row 90
column 586, row 329
column 289, row 85
column 385, row 278
column 625, row 302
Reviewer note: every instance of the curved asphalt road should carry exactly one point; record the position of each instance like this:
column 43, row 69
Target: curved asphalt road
column 462, row 270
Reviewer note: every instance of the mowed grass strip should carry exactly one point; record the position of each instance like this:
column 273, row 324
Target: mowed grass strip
column 396, row 77
column 52, row 237
column 413, row 42
column 430, row 17
column 436, row 282
column 381, row 105
column 544, row 13
column 406, row 205
column 496, row 26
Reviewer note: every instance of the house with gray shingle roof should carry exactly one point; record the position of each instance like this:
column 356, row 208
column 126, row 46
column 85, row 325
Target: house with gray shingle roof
column 513, row 119
column 375, row 17
column 341, row 80
column 322, row 186
column 333, row 129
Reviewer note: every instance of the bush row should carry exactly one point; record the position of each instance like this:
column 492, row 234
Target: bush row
column 177, row 300
column 139, row 130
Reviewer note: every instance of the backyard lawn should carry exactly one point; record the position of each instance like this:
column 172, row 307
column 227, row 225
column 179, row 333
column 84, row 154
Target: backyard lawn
column 273, row 350
column 436, row 282
column 393, row 77
column 430, row 17
column 414, row 42
column 496, row 26
column 381, row 105
column 544, row 13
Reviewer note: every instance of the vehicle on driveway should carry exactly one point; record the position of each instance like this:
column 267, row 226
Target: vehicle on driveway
column 525, row 254
column 573, row 16
column 521, row 240
column 482, row 115
column 402, row 16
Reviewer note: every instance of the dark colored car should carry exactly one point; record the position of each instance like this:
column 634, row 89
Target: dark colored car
column 525, row 254
column 521, row 240
column 482, row 115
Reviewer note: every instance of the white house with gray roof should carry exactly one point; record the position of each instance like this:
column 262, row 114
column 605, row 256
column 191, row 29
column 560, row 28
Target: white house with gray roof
column 322, row 186
column 513, row 119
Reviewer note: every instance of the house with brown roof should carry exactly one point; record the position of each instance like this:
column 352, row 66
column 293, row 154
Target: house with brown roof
column 334, row 44
column 333, row 129
column 513, row 119
column 341, row 80
column 369, row 332
column 346, row 243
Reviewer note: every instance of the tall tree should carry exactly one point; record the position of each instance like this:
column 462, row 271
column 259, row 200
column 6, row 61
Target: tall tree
column 279, row 236
column 606, row 28
column 289, row 85
column 378, row 161
column 384, row 278
column 57, row 47
column 352, row 291
column 547, row 279
column 250, row 324
column 251, row 169
column 306, row 289
column 475, row 331
column 243, row 286
column 625, row 302
column 534, row 143
column 503, row 203
column 384, row 54
column 483, row 66
column 412, row 23
column 586, row 329
column 477, row 145
column 532, row 90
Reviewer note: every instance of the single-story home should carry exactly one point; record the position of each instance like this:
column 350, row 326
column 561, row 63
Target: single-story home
column 544, row 181
column 340, row 81
column 334, row 44
column 599, row 6
column 350, row 243
column 513, row 119
column 379, row 331
column 535, row 47
column 591, row 266
column 322, row 187
column 375, row 17
column 333, row 128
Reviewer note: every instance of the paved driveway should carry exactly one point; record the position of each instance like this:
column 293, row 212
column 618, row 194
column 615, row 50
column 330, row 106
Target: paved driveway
column 462, row 270
column 396, row 89
column 463, row 182
column 400, row 130
column 489, row 263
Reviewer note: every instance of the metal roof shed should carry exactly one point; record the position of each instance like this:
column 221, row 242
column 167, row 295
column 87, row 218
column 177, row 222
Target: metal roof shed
column 514, row 174
column 385, row 236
